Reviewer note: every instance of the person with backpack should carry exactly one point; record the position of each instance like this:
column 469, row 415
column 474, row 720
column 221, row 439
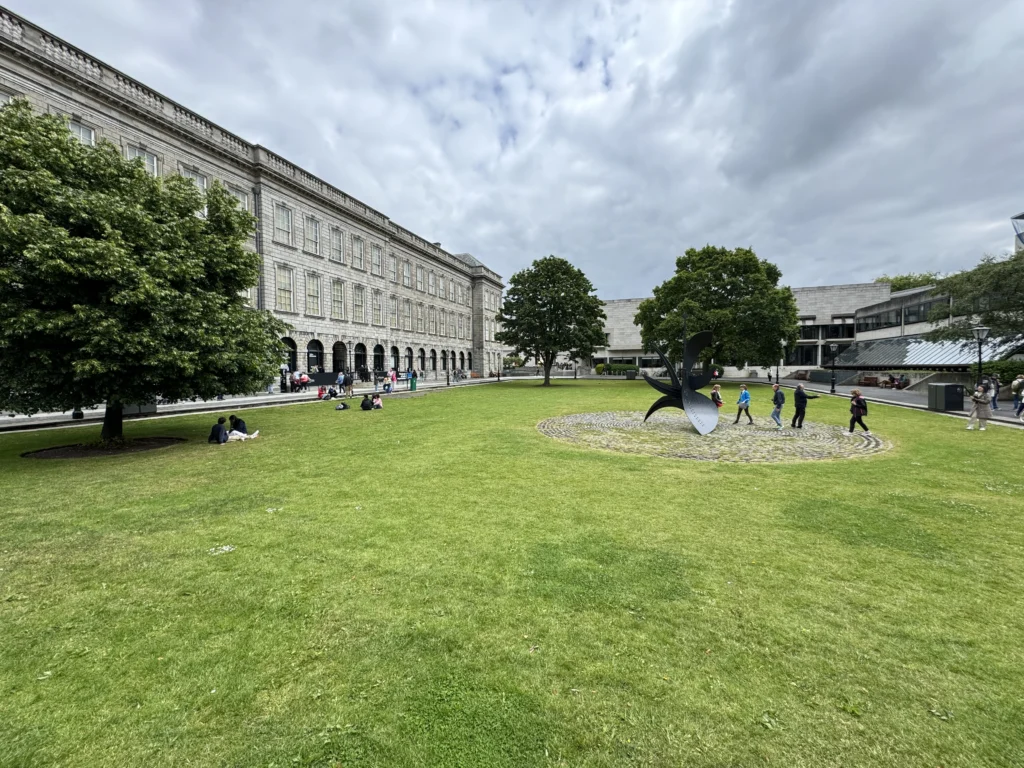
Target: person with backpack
column 716, row 395
column 994, row 386
column 858, row 410
column 778, row 400
column 350, row 381
column 800, row 398
column 744, row 405
column 1015, row 388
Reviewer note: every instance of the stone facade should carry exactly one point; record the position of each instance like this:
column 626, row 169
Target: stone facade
column 344, row 276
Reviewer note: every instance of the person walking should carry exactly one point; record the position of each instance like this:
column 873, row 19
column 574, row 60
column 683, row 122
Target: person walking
column 1015, row 388
column 800, row 398
column 980, row 411
column 778, row 400
column 858, row 410
column 744, row 405
column 350, row 383
column 995, row 385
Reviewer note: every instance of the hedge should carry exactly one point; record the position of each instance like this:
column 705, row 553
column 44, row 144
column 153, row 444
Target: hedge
column 614, row 370
column 1006, row 370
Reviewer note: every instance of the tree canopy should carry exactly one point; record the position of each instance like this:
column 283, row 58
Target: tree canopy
column 550, row 308
column 909, row 280
column 115, row 286
column 731, row 293
column 991, row 294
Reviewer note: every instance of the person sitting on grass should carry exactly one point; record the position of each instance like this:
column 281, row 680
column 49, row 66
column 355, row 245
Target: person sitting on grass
column 367, row 404
column 378, row 405
column 239, row 431
column 218, row 434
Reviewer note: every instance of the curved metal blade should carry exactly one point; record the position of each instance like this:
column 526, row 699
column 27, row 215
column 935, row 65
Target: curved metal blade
column 663, row 402
column 665, row 389
column 668, row 366
column 691, row 354
column 700, row 410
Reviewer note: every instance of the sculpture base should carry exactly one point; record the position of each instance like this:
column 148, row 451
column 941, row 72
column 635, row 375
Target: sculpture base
column 670, row 435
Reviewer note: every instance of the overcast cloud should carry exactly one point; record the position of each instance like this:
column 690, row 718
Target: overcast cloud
column 840, row 139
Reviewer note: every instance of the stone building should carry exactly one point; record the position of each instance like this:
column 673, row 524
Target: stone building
column 357, row 289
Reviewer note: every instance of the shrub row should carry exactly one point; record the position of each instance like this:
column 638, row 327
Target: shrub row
column 614, row 370
column 1006, row 370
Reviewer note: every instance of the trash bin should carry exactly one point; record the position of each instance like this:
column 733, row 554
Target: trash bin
column 945, row 397
column 630, row 375
column 412, row 384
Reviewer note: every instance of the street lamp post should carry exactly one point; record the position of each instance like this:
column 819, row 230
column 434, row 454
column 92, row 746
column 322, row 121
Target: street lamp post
column 835, row 348
column 777, row 379
column 980, row 334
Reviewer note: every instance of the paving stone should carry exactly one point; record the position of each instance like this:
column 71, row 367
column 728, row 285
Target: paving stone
column 671, row 435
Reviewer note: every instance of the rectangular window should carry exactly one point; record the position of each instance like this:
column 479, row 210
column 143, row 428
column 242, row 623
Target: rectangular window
column 461, row 329
column 432, row 284
column 378, row 259
column 149, row 160
column 338, row 299
column 394, row 311
column 458, row 294
column 407, row 274
column 451, row 290
column 358, row 304
column 241, row 197
column 419, row 318
column 440, row 286
column 196, row 177
column 357, row 253
column 337, row 245
column 83, row 133
column 312, row 294
column 443, row 327
column 407, row 315
column 393, row 268
column 419, row 278
column 311, row 236
column 284, row 289
column 282, row 224
column 432, row 320
column 378, row 310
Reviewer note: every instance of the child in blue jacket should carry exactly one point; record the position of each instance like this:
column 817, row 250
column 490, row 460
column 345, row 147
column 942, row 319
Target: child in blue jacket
column 744, row 404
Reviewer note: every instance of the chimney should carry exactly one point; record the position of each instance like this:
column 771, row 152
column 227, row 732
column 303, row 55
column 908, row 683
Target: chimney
column 437, row 245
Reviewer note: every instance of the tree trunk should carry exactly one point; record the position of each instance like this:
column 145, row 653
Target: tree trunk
column 547, row 371
column 113, row 421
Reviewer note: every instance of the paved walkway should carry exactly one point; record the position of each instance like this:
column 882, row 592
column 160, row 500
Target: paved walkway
column 10, row 423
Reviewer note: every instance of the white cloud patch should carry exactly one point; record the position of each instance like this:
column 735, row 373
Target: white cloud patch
column 840, row 139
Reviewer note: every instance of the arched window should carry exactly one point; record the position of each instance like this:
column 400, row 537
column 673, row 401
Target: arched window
column 395, row 362
column 423, row 360
column 444, row 360
column 339, row 356
column 453, row 359
column 314, row 356
column 408, row 358
column 378, row 358
column 462, row 360
column 360, row 361
column 433, row 359
column 291, row 355
column 469, row 361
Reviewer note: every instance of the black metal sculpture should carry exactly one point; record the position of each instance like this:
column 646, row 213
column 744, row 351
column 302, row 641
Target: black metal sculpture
column 701, row 411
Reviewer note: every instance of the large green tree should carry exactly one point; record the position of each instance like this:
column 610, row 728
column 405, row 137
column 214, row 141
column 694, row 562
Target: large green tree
column 991, row 294
column 731, row 293
column 551, row 308
column 117, row 287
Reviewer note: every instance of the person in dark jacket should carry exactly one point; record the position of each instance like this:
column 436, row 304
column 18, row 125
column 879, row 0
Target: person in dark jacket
column 858, row 410
column 218, row 434
column 367, row 404
column 800, row 398
column 778, row 400
column 238, row 430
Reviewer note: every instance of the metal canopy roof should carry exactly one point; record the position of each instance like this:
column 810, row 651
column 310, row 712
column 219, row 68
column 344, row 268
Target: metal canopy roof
column 913, row 352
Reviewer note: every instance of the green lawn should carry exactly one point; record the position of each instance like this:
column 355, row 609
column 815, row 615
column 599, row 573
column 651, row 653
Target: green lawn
column 438, row 584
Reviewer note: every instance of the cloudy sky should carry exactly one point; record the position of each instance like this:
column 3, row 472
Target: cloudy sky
column 840, row 139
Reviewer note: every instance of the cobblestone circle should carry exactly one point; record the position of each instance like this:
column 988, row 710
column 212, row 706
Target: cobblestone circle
column 670, row 435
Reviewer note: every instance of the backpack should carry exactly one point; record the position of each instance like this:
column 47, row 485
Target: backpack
column 1015, row 387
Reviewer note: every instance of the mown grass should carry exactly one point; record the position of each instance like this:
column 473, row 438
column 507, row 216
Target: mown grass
column 440, row 585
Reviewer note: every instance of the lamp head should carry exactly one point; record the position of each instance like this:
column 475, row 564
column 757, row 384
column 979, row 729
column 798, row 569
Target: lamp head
column 834, row 347
column 980, row 332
